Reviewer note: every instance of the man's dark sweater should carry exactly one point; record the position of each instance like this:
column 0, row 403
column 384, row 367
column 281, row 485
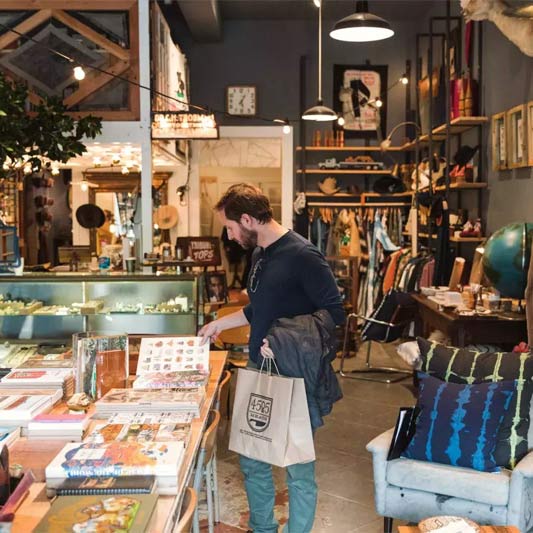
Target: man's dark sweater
column 288, row 278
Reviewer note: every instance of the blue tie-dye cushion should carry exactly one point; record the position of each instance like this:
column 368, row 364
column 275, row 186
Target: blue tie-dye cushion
column 458, row 424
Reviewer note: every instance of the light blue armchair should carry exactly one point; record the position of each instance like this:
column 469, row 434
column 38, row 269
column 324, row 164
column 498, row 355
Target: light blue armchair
column 412, row 490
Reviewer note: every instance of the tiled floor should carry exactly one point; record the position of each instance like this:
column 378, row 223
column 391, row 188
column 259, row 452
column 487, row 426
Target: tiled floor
column 344, row 467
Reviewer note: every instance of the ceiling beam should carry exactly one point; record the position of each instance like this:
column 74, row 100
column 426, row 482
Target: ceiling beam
column 203, row 19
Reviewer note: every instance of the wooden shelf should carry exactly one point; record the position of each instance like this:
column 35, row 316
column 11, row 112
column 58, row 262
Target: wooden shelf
column 350, row 148
column 337, row 171
column 463, row 186
column 452, row 239
column 336, row 195
column 388, row 195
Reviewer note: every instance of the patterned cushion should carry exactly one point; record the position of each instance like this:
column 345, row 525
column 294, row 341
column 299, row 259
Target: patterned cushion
column 459, row 365
column 458, row 424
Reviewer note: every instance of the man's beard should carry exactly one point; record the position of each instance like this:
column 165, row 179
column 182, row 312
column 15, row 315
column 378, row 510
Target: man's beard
column 248, row 238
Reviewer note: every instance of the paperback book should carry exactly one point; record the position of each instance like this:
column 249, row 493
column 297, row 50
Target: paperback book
column 169, row 354
column 172, row 380
column 64, row 426
column 20, row 409
column 154, row 401
column 78, row 486
column 80, row 514
column 118, row 459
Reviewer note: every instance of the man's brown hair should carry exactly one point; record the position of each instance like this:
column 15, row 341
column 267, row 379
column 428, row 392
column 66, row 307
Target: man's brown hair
column 244, row 198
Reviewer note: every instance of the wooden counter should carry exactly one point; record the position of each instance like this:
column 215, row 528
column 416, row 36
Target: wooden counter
column 484, row 529
column 38, row 453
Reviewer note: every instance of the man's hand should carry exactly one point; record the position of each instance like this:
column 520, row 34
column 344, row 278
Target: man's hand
column 266, row 350
column 210, row 331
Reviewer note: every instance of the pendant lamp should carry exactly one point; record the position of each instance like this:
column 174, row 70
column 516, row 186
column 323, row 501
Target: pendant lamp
column 319, row 112
column 362, row 26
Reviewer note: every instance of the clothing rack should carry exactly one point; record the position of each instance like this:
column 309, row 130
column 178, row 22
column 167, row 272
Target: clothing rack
column 357, row 204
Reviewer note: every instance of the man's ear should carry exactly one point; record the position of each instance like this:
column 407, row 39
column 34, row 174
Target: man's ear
column 247, row 221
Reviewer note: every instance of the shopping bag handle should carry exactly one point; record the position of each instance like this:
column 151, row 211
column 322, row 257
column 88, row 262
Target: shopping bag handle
column 270, row 361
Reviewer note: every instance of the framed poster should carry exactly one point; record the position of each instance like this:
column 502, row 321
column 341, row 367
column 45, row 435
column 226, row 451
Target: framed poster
column 530, row 134
column 499, row 141
column 216, row 286
column 516, row 137
column 200, row 251
column 355, row 90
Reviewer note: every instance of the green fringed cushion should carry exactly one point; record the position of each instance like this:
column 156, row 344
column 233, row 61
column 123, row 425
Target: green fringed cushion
column 459, row 365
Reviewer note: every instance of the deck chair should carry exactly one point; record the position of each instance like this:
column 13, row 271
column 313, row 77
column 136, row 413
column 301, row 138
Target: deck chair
column 386, row 324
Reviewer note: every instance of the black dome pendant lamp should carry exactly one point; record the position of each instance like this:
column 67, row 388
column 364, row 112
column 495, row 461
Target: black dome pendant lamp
column 362, row 26
column 319, row 112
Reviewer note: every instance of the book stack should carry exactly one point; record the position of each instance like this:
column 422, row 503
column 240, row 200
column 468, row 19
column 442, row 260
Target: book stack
column 151, row 401
column 118, row 459
column 171, row 380
column 58, row 426
column 80, row 486
column 19, row 409
column 129, row 513
column 51, row 378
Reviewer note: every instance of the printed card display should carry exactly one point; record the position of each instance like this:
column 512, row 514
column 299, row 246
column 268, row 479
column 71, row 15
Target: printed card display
column 167, row 354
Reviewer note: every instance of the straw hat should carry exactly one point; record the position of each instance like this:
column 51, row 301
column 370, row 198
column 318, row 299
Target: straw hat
column 166, row 216
column 329, row 185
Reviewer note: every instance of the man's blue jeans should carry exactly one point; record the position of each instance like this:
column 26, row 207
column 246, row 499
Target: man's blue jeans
column 261, row 496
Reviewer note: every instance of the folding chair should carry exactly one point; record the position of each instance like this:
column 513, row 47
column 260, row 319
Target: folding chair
column 387, row 324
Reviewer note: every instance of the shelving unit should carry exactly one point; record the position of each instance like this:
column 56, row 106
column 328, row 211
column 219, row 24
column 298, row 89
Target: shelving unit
column 351, row 148
column 337, row 171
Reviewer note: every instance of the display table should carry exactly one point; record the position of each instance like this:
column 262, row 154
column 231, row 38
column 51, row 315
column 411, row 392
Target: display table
column 463, row 330
column 484, row 529
column 37, row 454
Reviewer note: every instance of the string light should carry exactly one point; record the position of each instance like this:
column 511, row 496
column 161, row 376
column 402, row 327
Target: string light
column 55, row 170
column 125, row 170
column 97, row 161
column 79, row 73
column 156, row 226
column 341, row 121
column 286, row 129
column 404, row 80
column 378, row 102
column 27, row 168
column 84, row 186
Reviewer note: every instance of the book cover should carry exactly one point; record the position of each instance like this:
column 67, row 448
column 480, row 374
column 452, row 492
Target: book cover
column 162, row 354
column 23, row 407
column 403, row 431
column 96, row 513
column 106, row 485
column 116, row 459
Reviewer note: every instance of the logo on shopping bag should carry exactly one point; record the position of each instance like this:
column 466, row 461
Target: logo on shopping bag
column 259, row 410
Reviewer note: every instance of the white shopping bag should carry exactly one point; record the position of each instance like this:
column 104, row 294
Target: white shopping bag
column 270, row 419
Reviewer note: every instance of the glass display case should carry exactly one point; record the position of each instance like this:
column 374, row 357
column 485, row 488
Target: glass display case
column 54, row 306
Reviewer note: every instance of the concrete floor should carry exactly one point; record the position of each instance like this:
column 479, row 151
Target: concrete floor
column 343, row 467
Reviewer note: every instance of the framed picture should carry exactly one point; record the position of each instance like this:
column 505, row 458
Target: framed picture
column 499, row 141
column 216, row 286
column 530, row 134
column 355, row 90
column 516, row 137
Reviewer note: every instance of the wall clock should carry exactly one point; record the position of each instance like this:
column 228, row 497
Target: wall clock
column 241, row 100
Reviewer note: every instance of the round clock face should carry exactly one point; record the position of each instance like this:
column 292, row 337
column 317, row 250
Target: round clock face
column 241, row 100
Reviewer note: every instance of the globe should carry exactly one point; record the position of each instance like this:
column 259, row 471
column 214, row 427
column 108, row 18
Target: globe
column 506, row 258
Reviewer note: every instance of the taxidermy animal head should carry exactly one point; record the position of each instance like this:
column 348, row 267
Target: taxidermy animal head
column 517, row 30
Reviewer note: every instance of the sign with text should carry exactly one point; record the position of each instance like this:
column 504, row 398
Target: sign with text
column 171, row 125
column 204, row 251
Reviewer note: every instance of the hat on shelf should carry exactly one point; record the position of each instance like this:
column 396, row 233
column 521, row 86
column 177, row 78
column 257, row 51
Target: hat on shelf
column 389, row 185
column 465, row 154
column 166, row 216
column 329, row 185
column 90, row 216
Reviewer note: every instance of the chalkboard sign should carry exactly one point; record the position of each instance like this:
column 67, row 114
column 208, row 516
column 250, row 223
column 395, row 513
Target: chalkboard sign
column 204, row 251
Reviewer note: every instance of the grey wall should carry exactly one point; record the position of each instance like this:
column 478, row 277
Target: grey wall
column 508, row 75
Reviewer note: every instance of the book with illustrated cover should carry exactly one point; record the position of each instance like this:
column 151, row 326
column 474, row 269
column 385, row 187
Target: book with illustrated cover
column 43, row 364
column 171, row 380
column 180, row 417
column 120, row 400
column 76, row 486
column 140, row 432
column 84, row 514
column 20, row 409
column 169, row 354
column 36, row 378
column 117, row 459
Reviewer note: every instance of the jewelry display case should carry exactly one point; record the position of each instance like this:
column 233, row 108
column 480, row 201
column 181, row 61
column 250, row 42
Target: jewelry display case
column 44, row 306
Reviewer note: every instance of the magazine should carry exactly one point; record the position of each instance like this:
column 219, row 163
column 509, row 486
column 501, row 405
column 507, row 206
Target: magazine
column 79, row 514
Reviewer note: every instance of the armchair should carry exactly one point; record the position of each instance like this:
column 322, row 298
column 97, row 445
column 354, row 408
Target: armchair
column 412, row 490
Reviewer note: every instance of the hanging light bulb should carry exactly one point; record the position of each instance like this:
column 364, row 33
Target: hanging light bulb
column 341, row 121
column 125, row 170
column 6, row 166
column 286, row 129
column 97, row 161
column 27, row 169
column 156, row 226
column 378, row 102
column 112, row 228
column 319, row 112
column 84, row 186
column 79, row 73
column 317, row 3
column 404, row 80
column 361, row 27
column 55, row 170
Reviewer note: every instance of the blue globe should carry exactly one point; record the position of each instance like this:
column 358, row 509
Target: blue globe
column 506, row 258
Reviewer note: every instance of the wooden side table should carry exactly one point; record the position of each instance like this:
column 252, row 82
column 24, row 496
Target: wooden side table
column 484, row 529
